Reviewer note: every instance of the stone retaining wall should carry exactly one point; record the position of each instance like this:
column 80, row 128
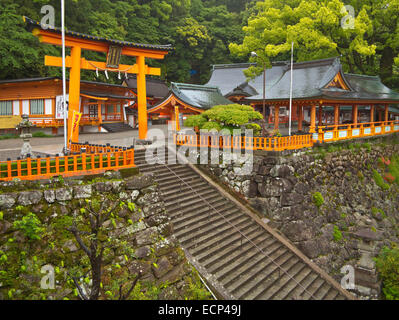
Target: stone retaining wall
column 356, row 217
column 146, row 229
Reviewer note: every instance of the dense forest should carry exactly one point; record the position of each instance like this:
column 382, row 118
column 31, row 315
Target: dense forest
column 199, row 30
column 364, row 33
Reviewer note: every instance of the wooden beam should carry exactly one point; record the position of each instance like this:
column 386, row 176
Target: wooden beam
column 51, row 61
column 94, row 45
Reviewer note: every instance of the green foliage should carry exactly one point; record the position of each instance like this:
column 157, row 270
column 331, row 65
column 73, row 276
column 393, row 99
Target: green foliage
column 40, row 134
column 227, row 117
column 31, row 226
column 318, row 199
column 212, row 125
column 375, row 211
column 195, row 121
column 8, row 136
column 315, row 28
column 337, row 234
column 255, row 127
column 200, row 30
column 387, row 264
column 379, row 180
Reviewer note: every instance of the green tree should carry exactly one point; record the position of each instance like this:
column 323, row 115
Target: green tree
column 228, row 117
column 313, row 26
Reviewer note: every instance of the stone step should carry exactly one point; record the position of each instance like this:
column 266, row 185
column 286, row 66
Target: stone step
column 173, row 185
column 210, row 242
column 233, row 255
column 189, row 200
column 242, row 268
column 218, row 226
column 258, row 278
column 230, row 245
column 167, row 192
column 197, row 211
column 277, row 280
column 208, row 217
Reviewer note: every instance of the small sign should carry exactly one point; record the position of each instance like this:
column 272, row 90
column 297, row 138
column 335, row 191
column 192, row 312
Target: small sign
column 315, row 136
column 328, row 135
column 114, row 57
column 377, row 129
column 343, row 134
column 387, row 128
column 367, row 131
column 396, row 128
column 355, row 132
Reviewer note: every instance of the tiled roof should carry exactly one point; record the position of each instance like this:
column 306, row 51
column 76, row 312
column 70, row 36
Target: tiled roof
column 35, row 24
column 155, row 87
column 200, row 96
column 228, row 76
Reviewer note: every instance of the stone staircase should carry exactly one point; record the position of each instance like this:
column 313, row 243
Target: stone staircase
column 116, row 127
column 237, row 255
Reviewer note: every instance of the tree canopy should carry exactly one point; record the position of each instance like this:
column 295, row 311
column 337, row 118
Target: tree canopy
column 228, row 117
column 200, row 30
column 366, row 39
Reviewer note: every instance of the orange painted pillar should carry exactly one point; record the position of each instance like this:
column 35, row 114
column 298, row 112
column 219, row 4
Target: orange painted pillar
column 355, row 113
column 276, row 117
column 142, row 98
column 300, row 118
column 177, row 118
column 320, row 116
column 100, row 116
column 386, row 113
column 336, row 115
column 312, row 128
column 372, row 108
column 74, row 90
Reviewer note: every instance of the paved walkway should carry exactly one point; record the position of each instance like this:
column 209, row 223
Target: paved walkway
column 55, row 145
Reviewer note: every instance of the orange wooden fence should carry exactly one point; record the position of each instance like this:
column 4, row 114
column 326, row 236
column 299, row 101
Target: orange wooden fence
column 87, row 147
column 250, row 143
column 73, row 165
column 354, row 131
column 323, row 134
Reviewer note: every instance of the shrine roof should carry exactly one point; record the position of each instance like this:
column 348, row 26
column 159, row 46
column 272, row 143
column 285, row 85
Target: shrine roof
column 31, row 24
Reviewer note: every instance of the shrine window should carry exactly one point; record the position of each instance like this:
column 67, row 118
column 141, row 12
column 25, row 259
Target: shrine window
column 37, row 106
column 5, row 108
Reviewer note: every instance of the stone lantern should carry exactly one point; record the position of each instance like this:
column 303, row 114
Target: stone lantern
column 25, row 125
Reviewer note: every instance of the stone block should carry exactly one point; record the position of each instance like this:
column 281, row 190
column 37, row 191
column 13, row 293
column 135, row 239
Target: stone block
column 139, row 182
column 27, row 198
column 82, row 192
column 162, row 267
column 7, row 200
column 63, row 194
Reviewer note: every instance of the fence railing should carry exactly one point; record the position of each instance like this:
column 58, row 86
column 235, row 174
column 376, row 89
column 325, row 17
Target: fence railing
column 97, row 148
column 353, row 131
column 47, row 123
column 73, row 165
column 324, row 134
column 250, row 143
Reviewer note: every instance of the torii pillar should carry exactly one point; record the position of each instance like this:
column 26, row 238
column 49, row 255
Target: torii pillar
column 114, row 50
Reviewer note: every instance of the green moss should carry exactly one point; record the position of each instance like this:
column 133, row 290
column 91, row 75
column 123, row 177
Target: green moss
column 337, row 234
column 318, row 199
column 375, row 211
column 387, row 264
column 379, row 180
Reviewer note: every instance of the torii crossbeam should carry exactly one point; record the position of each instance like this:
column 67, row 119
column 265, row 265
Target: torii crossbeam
column 114, row 50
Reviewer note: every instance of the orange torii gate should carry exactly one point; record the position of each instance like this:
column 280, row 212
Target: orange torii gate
column 114, row 50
